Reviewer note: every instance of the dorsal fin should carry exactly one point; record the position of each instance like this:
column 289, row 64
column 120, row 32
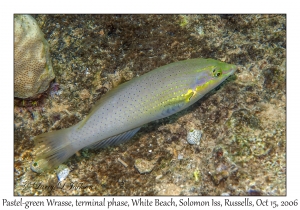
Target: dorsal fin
column 114, row 140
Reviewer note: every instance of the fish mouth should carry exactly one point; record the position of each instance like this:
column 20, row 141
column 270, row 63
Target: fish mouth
column 231, row 70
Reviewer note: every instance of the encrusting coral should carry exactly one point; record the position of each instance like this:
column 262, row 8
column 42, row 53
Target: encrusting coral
column 32, row 64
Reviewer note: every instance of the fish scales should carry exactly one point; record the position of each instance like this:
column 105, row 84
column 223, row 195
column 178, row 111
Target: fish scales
column 118, row 115
column 138, row 102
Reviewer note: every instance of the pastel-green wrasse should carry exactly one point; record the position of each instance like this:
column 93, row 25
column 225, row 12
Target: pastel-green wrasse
column 119, row 114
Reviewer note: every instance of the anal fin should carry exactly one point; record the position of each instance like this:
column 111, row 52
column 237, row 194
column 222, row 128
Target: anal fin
column 114, row 140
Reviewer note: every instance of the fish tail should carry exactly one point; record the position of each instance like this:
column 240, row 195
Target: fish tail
column 52, row 149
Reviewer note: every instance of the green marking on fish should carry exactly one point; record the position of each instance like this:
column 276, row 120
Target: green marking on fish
column 118, row 115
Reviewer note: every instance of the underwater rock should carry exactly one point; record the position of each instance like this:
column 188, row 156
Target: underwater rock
column 169, row 189
column 254, row 192
column 221, row 167
column 221, row 173
column 62, row 172
column 32, row 63
column 241, row 118
column 180, row 157
column 144, row 166
column 194, row 136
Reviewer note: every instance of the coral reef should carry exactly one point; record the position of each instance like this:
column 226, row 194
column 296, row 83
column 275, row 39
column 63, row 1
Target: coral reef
column 243, row 144
column 32, row 62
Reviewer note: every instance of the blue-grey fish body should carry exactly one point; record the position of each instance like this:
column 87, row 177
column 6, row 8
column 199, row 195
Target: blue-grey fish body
column 121, row 112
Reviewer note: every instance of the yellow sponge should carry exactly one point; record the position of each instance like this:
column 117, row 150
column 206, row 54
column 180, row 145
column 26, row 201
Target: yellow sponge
column 32, row 63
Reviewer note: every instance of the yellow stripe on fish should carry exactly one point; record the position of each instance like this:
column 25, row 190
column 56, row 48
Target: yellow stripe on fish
column 118, row 115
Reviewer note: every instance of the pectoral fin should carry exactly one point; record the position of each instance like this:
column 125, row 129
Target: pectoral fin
column 114, row 140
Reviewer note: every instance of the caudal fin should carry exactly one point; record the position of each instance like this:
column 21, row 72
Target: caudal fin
column 52, row 149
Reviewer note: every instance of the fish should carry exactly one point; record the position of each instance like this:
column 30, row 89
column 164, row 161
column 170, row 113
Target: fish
column 121, row 112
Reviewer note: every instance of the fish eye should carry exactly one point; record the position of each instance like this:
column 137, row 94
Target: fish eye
column 218, row 73
column 35, row 164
